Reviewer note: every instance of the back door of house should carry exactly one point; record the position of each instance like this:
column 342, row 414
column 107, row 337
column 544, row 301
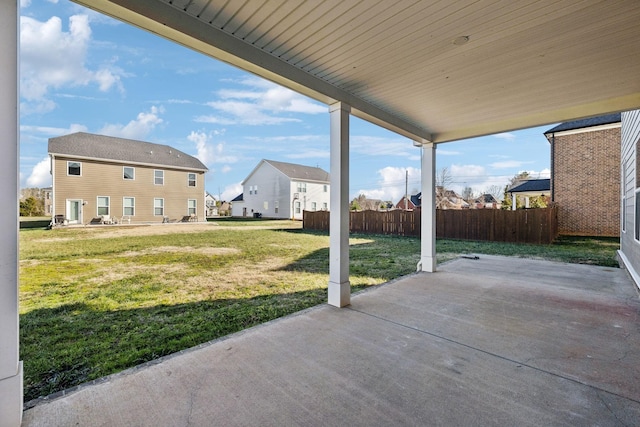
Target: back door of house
column 74, row 211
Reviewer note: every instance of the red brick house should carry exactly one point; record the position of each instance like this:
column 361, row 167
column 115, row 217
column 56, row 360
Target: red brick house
column 585, row 175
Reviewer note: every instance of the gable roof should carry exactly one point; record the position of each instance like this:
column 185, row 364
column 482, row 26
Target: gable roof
column 295, row 172
column 300, row 172
column 238, row 198
column 532, row 185
column 109, row 148
column 586, row 123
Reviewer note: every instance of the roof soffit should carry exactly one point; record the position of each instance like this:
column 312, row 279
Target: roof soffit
column 527, row 63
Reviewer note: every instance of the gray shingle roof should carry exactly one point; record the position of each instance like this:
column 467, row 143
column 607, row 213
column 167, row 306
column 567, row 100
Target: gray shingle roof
column 532, row 185
column 300, row 172
column 585, row 123
column 101, row 147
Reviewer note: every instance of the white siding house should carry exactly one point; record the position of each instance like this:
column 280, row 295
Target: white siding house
column 282, row 190
column 630, row 194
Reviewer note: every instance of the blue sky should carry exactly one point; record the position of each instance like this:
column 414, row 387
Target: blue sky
column 81, row 71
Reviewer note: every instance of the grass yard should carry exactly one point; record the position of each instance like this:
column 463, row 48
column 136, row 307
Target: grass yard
column 94, row 301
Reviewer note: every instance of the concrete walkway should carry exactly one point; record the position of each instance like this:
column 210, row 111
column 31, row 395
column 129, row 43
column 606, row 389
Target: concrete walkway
column 495, row 341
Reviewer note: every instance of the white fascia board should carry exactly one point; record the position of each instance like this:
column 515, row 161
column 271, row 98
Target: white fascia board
column 587, row 129
column 176, row 25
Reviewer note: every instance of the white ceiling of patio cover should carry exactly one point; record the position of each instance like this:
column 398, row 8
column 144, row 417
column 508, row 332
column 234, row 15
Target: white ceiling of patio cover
column 526, row 63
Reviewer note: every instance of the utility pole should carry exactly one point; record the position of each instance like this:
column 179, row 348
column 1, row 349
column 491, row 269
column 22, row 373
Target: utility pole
column 406, row 189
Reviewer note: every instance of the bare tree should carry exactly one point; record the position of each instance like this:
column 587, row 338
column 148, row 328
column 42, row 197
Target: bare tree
column 496, row 191
column 443, row 178
column 467, row 194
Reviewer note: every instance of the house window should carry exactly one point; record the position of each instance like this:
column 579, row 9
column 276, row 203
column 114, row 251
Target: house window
column 325, row 188
column 128, row 172
column 265, row 206
column 128, row 206
column 191, row 207
column 302, row 187
column 313, row 206
column 297, row 207
column 158, row 207
column 103, row 205
column 251, row 189
column 255, row 189
column 276, row 206
column 74, row 168
column 324, row 206
column 158, row 177
column 191, row 179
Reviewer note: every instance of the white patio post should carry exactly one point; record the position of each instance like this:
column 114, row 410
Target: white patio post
column 428, row 208
column 10, row 365
column 514, row 201
column 339, row 286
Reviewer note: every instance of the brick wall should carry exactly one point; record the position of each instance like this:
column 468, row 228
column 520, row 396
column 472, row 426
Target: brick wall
column 586, row 182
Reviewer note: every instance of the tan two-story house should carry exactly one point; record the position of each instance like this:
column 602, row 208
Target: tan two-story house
column 122, row 180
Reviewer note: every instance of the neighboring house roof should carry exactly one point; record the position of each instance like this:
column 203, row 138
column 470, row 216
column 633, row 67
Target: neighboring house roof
column 101, row 147
column 295, row 171
column 486, row 198
column 585, row 123
column 416, row 199
column 238, row 198
column 532, row 185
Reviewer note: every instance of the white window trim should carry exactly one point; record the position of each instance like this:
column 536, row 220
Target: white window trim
column 132, row 206
column 195, row 179
column 154, row 206
column 74, row 161
column 133, row 174
column 108, row 205
column 195, row 206
column 154, row 176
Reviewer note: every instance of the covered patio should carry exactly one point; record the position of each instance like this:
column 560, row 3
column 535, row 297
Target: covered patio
column 493, row 341
column 431, row 71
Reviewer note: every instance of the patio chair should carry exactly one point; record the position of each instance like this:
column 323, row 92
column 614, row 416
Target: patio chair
column 60, row 220
column 125, row 218
column 106, row 219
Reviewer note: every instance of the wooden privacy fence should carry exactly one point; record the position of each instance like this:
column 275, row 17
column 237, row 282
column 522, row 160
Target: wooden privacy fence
column 521, row 226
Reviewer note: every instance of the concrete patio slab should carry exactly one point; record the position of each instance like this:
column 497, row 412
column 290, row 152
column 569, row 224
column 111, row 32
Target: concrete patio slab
column 494, row 341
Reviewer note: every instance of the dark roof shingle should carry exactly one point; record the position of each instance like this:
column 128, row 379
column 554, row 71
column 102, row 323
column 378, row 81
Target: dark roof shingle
column 586, row 123
column 532, row 185
column 101, row 147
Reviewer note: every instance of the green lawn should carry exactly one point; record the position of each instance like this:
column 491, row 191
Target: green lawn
column 97, row 301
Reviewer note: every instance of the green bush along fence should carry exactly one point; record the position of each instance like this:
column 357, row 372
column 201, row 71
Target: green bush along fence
column 538, row 226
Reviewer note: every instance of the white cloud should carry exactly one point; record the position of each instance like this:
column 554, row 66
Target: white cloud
column 447, row 152
column 476, row 177
column 209, row 152
column 508, row 164
column 391, row 184
column 378, row 146
column 53, row 131
column 543, row 174
column 40, row 175
column 231, row 191
column 51, row 58
column 226, row 168
column 138, row 128
column 506, row 135
column 262, row 104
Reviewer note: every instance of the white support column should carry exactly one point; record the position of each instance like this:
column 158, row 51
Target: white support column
column 339, row 286
column 428, row 208
column 10, row 365
column 514, row 201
